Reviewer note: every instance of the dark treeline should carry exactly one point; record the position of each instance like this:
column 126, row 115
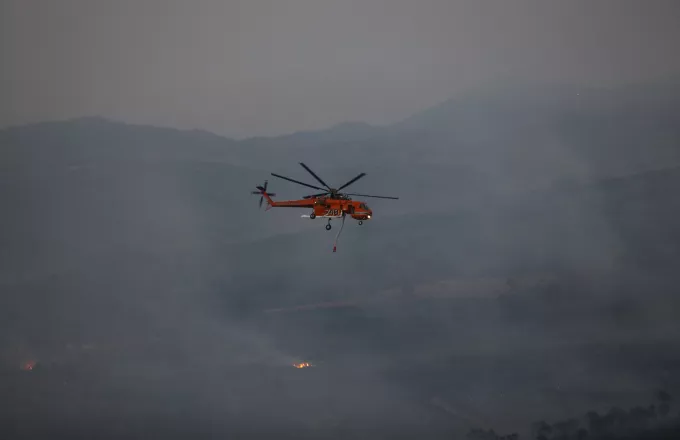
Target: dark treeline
column 652, row 422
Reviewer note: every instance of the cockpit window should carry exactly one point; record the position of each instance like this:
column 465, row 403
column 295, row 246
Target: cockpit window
column 363, row 206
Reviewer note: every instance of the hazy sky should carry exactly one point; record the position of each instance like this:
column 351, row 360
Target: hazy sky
column 252, row 67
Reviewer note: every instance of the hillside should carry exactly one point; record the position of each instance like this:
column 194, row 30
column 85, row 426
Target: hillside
column 455, row 155
column 134, row 262
column 88, row 195
column 610, row 228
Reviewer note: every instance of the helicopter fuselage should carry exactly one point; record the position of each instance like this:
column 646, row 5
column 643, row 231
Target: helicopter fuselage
column 326, row 207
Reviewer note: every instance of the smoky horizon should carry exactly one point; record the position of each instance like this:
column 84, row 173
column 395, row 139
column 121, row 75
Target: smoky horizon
column 520, row 282
column 263, row 68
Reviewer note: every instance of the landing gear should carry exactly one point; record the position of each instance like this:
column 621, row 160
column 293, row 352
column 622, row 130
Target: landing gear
column 312, row 216
column 360, row 223
column 328, row 226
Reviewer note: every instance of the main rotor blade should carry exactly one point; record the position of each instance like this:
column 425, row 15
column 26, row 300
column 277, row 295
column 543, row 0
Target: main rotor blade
column 315, row 195
column 315, row 176
column 352, row 181
column 375, row 197
column 297, row 181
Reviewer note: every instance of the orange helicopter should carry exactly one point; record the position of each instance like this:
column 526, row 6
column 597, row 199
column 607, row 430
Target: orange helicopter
column 330, row 203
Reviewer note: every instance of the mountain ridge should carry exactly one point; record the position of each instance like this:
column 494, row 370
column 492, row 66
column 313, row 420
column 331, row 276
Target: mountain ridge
column 493, row 91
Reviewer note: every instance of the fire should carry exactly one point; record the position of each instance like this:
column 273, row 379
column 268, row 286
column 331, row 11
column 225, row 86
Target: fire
column 303, row 365
column 28, row 365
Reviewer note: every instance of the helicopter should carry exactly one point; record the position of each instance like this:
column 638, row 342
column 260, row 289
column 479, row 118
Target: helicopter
column 330, row 203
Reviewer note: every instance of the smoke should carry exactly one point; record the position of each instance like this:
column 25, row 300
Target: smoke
column 149, row 292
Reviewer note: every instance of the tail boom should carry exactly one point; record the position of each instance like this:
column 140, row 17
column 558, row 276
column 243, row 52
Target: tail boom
column 266, row 196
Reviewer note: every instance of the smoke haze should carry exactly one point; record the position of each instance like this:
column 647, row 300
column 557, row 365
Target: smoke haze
column 263, row 67
column 528, row 272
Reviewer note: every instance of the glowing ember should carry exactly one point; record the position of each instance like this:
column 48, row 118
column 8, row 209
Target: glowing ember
column 303, row 365
column 28, row 366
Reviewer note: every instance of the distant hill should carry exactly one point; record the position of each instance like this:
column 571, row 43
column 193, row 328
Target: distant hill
column 467, row 149
column 82, row 182
column 146, row 243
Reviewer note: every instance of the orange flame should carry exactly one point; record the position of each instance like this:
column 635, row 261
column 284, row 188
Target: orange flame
column 302, row 365
column 28, row 365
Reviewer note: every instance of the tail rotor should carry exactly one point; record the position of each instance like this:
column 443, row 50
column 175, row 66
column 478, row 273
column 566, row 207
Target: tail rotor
column 261, row 191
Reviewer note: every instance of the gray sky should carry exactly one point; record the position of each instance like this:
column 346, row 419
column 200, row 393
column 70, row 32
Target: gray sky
column 263, row 67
